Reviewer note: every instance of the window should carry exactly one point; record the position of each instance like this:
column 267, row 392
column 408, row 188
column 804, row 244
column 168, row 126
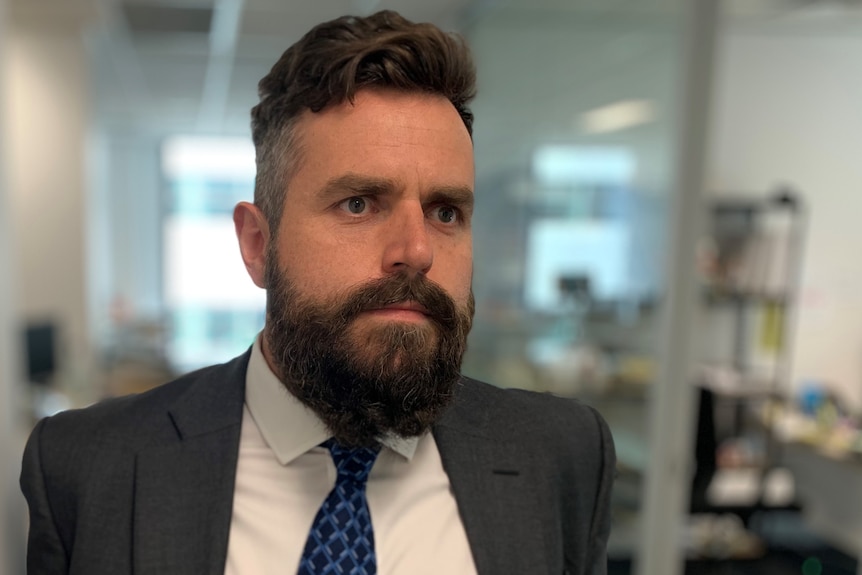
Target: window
column 214, row 310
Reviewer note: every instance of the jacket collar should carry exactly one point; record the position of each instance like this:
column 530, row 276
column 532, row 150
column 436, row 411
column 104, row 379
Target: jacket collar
column 184, row 488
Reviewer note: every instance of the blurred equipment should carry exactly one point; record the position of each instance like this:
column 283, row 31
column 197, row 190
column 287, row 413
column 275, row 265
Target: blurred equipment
column 40, row 345
column 41, row 349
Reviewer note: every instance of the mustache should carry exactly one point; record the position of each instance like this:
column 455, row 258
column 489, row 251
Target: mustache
column 401, row 288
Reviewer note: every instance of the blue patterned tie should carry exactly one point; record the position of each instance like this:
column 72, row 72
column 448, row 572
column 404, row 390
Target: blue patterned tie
column 341, row 541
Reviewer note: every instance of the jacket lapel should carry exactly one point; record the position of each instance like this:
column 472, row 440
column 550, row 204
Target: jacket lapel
column 495, row 488
column 184, row 486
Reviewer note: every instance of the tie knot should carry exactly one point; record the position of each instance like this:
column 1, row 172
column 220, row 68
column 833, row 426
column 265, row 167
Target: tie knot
column 352, row 463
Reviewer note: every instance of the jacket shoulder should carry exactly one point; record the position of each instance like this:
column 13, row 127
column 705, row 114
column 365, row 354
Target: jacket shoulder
column 79, row 466
column 127, row 415
column 71, row 439
column 520, row 411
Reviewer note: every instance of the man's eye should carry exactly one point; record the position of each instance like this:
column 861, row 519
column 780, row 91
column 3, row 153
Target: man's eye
column 446, row 214
column 355, row 205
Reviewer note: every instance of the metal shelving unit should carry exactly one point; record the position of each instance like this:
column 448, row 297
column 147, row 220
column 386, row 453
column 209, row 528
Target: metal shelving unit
column 755, row 270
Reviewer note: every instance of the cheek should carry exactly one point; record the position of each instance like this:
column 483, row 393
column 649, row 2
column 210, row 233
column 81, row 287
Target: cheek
column 321, row 267
column 454, row 272
column 466, row 285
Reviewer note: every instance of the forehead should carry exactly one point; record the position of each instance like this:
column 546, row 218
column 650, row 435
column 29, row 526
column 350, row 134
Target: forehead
column 385, row 108
column 387, row 133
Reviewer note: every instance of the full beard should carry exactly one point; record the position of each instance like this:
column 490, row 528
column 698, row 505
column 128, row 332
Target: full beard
column 365, row 381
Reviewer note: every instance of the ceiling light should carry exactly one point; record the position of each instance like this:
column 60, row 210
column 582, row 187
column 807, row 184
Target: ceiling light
column 618, row 116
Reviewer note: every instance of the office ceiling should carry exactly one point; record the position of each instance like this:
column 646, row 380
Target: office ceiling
column 193, row 65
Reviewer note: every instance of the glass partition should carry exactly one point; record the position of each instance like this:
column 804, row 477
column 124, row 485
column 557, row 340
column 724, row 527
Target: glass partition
column 575, row 135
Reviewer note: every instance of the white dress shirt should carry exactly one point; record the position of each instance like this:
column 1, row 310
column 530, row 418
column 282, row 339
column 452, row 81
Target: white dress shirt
column 283, row 476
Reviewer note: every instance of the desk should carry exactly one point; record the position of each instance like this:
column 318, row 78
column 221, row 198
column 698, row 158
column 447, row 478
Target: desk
column 830, row 490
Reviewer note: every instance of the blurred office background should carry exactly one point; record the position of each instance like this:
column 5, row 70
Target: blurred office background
column 668, row 200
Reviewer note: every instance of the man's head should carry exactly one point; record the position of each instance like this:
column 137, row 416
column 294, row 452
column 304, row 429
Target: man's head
column 361, row 225
column 333, row 62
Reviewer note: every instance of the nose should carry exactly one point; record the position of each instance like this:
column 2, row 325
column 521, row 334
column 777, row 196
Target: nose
column 407, row 242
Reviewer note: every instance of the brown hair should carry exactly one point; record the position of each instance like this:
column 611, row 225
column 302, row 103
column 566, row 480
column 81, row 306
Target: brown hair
column 329, row 65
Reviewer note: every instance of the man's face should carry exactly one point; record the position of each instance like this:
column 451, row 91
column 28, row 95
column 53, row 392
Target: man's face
column 369, row 299
column 384, row 186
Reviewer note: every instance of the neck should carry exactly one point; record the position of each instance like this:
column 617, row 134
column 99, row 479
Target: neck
column 267, row 353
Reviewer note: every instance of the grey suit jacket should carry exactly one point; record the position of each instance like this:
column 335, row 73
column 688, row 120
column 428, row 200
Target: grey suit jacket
column 144, row 484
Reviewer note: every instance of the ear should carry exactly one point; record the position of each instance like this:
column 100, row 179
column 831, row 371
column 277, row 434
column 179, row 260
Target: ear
column 252, row 232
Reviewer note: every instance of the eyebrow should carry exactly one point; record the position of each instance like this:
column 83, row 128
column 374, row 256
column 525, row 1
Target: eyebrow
column 354, row 184
column 359, row 185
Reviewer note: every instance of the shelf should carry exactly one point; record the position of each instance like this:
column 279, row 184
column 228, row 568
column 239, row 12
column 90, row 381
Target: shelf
column 722, row 296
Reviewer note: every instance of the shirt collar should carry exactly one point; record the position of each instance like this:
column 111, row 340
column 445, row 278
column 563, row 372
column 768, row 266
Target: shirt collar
column 286, row 424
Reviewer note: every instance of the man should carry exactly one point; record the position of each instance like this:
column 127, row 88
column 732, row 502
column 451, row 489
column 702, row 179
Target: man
column 346, row 434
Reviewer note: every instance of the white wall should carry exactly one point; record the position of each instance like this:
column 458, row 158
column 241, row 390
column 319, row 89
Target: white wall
column 43, row 102
column 46, row 117
column 788, row 109
column 11, row 504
